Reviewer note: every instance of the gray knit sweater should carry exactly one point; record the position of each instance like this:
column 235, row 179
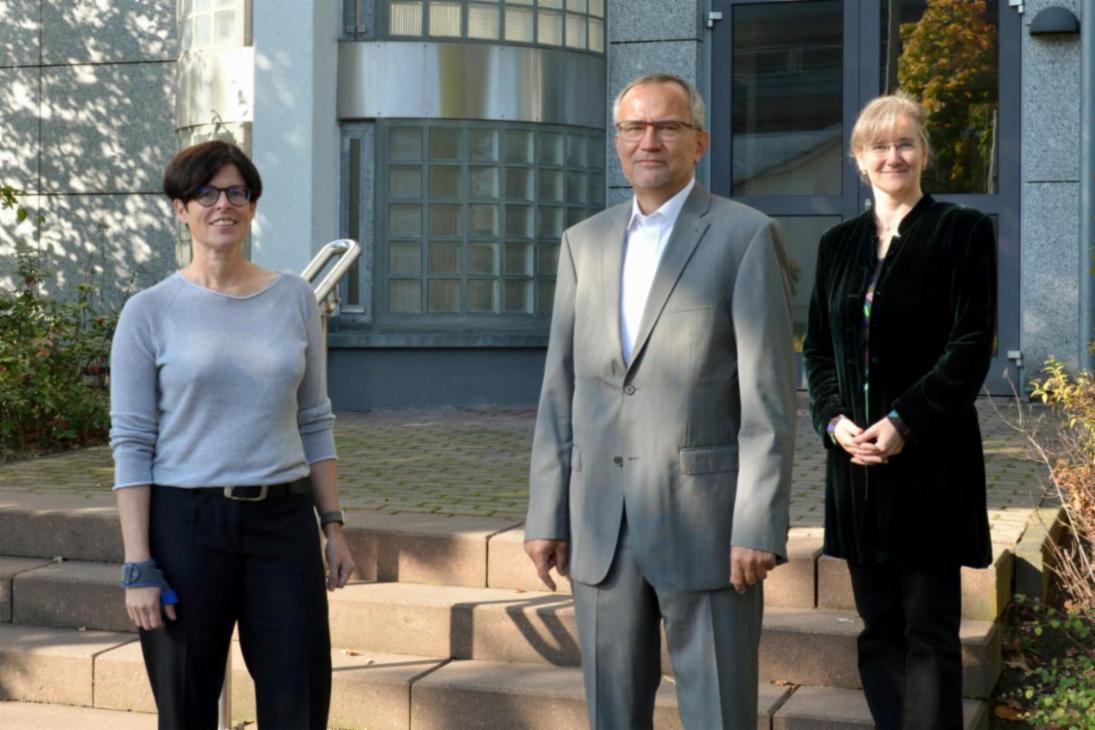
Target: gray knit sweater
column 209, row 389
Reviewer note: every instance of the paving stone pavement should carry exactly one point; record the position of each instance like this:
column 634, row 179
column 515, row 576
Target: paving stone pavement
column 475, row 462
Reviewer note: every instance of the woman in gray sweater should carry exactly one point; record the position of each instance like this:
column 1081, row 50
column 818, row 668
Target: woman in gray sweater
column 223, row 450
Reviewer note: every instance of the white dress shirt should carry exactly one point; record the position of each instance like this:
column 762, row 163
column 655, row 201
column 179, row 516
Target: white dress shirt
column 647, row 236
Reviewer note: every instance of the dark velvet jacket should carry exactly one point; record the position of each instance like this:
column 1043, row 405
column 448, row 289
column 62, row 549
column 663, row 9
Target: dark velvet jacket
column 931, row 338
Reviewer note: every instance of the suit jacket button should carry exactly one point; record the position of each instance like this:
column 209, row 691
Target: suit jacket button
column 618, row 460
column 629, row 389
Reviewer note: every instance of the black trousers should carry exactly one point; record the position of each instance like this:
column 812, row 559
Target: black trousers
column 258, row 563
column 910, row 656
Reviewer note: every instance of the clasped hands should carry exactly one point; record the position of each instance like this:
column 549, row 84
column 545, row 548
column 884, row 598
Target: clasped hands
column 747, row 566
column 868, row 446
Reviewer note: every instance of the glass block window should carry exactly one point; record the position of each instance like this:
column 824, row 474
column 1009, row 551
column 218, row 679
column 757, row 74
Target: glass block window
column 471, row 215
column 575, row 24
column 213, row 23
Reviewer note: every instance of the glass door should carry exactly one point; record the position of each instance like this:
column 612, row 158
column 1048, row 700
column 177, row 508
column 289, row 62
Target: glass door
column 789, row 78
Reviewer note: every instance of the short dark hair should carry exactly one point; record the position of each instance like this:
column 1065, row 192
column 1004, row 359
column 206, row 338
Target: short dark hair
column 198, row 164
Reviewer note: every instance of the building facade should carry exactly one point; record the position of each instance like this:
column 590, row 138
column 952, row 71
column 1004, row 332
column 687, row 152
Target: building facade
column 458, row 138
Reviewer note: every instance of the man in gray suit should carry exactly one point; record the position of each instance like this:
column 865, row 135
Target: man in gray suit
column 661, row 461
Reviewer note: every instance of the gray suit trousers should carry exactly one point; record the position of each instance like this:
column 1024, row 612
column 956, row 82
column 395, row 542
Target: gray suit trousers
column 713, row 640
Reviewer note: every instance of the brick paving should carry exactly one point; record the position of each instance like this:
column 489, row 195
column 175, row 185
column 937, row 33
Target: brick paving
column 475, row 462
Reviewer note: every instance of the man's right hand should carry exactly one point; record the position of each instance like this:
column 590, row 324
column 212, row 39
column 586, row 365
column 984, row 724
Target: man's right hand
column 143, row 606
column 545, row 555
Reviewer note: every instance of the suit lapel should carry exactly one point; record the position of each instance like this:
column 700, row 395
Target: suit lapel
column 686, row 235
column 612, row 264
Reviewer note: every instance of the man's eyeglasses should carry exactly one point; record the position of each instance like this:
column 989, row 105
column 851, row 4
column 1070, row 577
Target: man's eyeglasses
column 208, row 195
column 667, row 131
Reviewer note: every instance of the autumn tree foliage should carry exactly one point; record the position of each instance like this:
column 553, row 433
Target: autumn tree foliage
column 949, row 62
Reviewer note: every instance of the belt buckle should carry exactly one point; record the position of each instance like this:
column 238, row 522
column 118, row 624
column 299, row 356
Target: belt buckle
column 263, row 489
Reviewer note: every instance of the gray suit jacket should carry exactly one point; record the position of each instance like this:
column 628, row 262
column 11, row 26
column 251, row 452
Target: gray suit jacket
column 696, row 435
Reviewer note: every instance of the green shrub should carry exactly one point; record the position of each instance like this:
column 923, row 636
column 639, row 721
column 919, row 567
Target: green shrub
column 53, row 366
column 1054, row 652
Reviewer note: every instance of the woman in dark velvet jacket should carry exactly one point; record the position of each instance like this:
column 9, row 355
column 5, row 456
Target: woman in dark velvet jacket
column 898, row 344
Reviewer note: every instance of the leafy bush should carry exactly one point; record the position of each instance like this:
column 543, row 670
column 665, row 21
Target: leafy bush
column 53, row 366
column 1053, row 653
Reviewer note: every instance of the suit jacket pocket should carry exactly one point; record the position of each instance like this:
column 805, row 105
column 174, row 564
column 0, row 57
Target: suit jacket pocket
column 575, row 458
column 709, row 459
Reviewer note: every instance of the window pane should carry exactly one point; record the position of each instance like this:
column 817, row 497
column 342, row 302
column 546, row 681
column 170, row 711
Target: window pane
column 551, row 3
column 518, row 259
column 801, row 236
column 405, row 18
column 597, row 7
column 551, row 222
column 519, row 25
column 225, row 23
column 948, row 59
column 482, row 258
column 444, row 295
column 445, row 220
column 483, row 21
column 518, row 146
column 551, row 186
column 406, row 144
column 786, row 116
column 482, row 220
column 547, row 296
column 444, row 182
column 576, row 31
column 405, row 182
column 575, row 216
column 405, row 220
column 444, row 19
column 548, row 264
column 577, row 186
column 445, row 143
column 550, row 28
column 484, row 182
column 482, row 145
column 519, row 183
column 519, row 221
column 551, row 148
column 577, row 6
column 597, row 190
column 518, row 296
column 200, row 6
column 596, row 35
column 444, row 257
column 203, row 30
column 481, row 295
column 576, row 151
column 405, row 296
column 405, row 257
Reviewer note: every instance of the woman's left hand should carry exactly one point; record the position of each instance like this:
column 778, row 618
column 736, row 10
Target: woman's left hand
column 340, row 562
column 876, row 444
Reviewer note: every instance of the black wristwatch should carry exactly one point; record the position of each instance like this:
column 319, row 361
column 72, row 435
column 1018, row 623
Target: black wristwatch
column 327, row 518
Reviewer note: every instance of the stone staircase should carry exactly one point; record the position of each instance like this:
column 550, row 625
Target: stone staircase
column 446, row 627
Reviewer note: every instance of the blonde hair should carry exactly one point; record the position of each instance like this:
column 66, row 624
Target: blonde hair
column 880, row 116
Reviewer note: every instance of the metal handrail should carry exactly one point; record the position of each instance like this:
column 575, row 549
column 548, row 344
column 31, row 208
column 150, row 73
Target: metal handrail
column 348, row 252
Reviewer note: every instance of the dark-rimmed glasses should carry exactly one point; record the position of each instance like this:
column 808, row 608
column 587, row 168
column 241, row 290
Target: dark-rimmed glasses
column 208, row 195
column 668, row 130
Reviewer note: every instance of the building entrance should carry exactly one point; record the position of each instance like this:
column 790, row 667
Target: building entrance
column 788, row 78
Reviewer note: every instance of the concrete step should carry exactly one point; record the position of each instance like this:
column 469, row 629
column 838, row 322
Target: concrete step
column 368, row 689
column 818, row 647
column 44, row 664
column 9, row 568
column 33, row 716
column 493, row 695
column 985, row 593
column 457, row 551
column 828, row 708
column 802, row 646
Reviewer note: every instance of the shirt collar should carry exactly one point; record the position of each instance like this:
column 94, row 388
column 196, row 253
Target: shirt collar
column 669, row 211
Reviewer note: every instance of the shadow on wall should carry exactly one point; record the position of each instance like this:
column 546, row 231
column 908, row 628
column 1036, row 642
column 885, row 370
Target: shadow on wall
column 87, row 124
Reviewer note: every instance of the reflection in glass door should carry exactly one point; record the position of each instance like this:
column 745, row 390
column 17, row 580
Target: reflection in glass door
column 789, row 78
